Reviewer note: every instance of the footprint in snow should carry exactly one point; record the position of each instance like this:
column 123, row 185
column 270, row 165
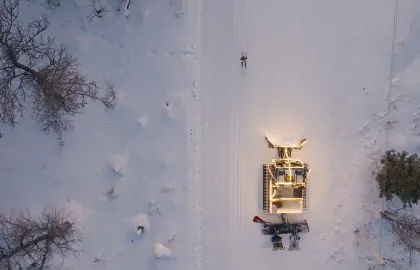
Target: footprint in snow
column 415, row 121
column 189, row 52
column 365, row 127
column 152, row 53
column 365, row 91
column 169, row 54
column 192, row 52
column 176, row 2
column 178, row 14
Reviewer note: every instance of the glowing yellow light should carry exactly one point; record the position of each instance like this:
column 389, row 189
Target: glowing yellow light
column 285, row 162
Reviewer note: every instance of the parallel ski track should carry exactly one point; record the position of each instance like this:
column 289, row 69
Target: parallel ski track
column 239, row 131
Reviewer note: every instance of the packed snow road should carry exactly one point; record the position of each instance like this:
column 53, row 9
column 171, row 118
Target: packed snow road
column 316, row 70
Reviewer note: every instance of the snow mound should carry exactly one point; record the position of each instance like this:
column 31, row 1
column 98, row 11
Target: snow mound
column 139, row 223
column 76, row 210
column 143, row 120
column 123, row 99
column 118, row 163
column 162, row 251
column 125, row 6
column 139, row 230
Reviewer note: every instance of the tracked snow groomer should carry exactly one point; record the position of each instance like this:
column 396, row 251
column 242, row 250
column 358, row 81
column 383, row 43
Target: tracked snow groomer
column 284, row 192
column 284, row 181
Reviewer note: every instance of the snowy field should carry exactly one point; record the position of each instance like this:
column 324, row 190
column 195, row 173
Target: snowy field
column 184, row 148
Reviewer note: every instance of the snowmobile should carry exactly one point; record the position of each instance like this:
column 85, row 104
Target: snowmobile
column 277, row 243
column 270, row 228
column 274, row 229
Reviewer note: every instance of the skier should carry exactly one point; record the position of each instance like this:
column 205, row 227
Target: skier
column 243, row 60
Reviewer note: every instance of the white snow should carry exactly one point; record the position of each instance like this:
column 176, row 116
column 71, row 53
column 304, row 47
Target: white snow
column 139, row 220
column 162, row 251
column 143, row 120
column 77, row 210
column 118, row 163
column 185, row 145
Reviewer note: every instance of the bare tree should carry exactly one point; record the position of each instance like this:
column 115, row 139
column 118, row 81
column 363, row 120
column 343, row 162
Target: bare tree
column 98, row 10
column 407, row 231
column 33, row 68
column 50, row 4
column 394, row 263
column 110, row 193
column 31, row 242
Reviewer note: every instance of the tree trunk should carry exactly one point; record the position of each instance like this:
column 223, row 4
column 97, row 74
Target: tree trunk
column 23, row 247
column 388, row 216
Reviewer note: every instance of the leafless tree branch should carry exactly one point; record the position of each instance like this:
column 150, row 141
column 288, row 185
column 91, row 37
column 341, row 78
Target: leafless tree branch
column 407, row 229
column 110, row 193
column 49, row 4
column 393, row 263
column 98, row 10
column 34, row 69
column 33, row 241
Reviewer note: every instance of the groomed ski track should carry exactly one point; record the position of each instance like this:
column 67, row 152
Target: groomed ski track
column 303, row 60
column 222, row 90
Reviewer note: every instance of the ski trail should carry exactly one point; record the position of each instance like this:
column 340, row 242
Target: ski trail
column 196, row 179
column 239, row 130
column 196, row 183
column 218, row 113
column 235, row 187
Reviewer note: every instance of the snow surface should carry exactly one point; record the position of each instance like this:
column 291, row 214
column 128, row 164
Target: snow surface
column 162, row 251
column 185, row 145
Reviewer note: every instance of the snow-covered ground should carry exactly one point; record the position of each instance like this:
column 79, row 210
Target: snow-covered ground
column 140, row 148
column 183, row 149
